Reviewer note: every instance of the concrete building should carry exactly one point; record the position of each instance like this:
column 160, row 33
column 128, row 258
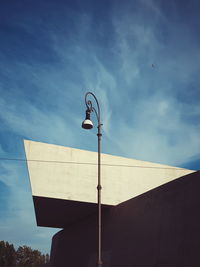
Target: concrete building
column 150, row 211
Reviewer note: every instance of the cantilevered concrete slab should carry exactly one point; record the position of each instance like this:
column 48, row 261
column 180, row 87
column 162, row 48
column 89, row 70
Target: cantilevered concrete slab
column 64, row 180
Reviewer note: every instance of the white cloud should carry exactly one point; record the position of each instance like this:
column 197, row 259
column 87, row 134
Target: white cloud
column 153, row 125
column 145, row 110
column 159, row 133
column 27, row 120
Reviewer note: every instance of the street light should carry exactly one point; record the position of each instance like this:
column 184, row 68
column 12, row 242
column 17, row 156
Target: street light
column 87, row 124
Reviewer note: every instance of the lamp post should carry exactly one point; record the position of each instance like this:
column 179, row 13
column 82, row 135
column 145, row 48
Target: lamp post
column 87, row 124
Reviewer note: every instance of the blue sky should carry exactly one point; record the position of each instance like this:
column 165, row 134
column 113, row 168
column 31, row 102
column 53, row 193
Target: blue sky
column 141, row 58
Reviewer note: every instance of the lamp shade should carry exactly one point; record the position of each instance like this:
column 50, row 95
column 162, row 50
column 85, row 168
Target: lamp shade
column 87, row 123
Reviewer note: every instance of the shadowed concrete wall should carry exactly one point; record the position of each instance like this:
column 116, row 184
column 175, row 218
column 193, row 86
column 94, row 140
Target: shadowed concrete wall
column 159, row 228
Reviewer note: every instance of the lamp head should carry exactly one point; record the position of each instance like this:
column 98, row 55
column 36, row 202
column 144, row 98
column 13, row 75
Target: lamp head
column 87, row 123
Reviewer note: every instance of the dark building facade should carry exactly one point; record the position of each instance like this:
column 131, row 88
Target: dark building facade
column 160, row 228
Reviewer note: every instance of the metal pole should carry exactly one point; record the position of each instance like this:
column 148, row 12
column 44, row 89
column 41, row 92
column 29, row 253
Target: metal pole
column 90, row 109
column 99, row 262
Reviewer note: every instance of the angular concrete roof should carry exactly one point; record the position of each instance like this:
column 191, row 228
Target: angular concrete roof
column 68, row 175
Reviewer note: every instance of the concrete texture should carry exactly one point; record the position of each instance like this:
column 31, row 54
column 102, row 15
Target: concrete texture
column 150, row 212
column 159, row 228
column 64, row 180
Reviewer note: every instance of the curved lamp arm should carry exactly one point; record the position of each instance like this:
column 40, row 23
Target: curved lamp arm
column 90, row 107
column 87, row 124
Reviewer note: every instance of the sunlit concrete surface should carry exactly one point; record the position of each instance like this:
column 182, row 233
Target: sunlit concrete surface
column 150, row 212
column 71, row 174
column 64, row 180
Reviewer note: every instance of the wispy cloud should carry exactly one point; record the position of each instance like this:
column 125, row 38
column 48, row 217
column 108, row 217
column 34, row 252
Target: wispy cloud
column 157, row 81
column 28, row 120
column 140, row 58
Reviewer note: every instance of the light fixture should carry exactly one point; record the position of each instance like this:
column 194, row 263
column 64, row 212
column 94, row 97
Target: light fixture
column 87, row 123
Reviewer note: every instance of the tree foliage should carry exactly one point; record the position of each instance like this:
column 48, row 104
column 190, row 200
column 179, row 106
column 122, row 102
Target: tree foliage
column 7, row 254
column 22, row 257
